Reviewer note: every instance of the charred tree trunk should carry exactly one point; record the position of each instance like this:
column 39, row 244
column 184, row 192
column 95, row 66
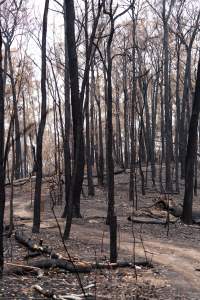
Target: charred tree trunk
column 191, row 153
column 77, row 109
column 132, row 116
column 2, row 169
column 66, row 136
column 87, row 116
column 18, row 165
column 126, row 101
column 38, row 184
column 112, row 219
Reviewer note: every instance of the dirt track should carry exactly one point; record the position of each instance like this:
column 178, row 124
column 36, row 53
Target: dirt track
column 175, row 257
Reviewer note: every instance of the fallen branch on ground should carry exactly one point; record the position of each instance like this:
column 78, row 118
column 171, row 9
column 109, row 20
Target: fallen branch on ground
column 85, row 267
column 149, row 220
column 32, row 246
column 50, row 294
column 57, row 261
column 80, row 267
column 19, row 269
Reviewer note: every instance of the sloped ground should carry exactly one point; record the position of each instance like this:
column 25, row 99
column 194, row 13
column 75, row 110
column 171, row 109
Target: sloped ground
column 175, row 257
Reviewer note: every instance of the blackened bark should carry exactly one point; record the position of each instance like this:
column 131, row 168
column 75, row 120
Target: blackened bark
column 66, row 135
column 132, row 115
column 24, row 136
column 168, row 125
column 77, row 117
column 18, row 164
column 191, row 153
column 77, row 109
column 177, row 131
column 38, row 184
column 111, row 213
column 87, row 99
column 2, row 170
column 126, row 101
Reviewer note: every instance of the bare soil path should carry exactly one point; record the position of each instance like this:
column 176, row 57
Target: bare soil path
column 175, row 257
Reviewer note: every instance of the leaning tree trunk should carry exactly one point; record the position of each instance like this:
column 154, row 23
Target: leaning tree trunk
column 191, row 153
column 38, row 184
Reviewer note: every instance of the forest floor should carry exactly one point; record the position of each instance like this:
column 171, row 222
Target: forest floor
column 173, row 251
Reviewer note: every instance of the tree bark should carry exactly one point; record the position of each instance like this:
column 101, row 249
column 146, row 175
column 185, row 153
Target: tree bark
column 38, row 185
column 191, row 153
column 2, row 169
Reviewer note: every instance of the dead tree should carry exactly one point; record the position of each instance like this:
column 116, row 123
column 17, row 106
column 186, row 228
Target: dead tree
column 87, row 99
column 2, row 167
column 38, row 184
column 191, row 153
column 77, row 109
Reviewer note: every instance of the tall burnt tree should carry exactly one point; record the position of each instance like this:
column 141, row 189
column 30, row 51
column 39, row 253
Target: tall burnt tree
column 191, row 153
column 38, row 167
column 132, row 112
column 111, row 218
column 77, row 108
column 87, row 100
column 2, row 168
column 167, row 101
column 67, row 154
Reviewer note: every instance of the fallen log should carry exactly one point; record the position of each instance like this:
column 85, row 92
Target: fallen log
column 86, row 267
column 117, row 172
column 164, row 204
column 121, row 264
column 32, row 246
column 149, row 220
column 57, row 261
column 73, row 267
column 19, row 269
column 46, row 293
column 50, row 294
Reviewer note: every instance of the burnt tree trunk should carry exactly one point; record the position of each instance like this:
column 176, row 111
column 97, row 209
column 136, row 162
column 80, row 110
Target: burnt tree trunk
column 38, row 184
column 191, row 153
column 2, row 169
column 66, row 136
column 87, row 116
column 77, row 109
column 18, row 165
